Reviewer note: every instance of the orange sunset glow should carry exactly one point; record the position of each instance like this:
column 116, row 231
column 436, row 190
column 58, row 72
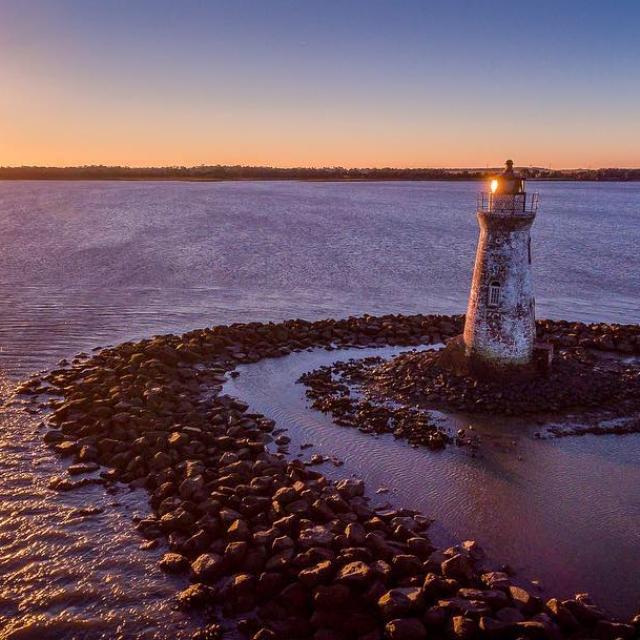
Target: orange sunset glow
column 213, row 85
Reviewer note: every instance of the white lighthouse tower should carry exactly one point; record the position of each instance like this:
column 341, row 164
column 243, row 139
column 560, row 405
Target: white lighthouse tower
column 499, row 332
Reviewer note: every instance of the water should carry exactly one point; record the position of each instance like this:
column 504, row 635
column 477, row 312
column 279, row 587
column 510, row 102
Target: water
column 565, row 512
column 85, row 264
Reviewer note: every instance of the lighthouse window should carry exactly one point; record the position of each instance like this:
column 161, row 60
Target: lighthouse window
column 529, row 250
column 494, row 294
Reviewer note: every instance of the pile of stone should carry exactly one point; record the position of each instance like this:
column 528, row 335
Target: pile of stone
column 576, row 381
column 269, row 543
column 620, row 338
column 334, row 389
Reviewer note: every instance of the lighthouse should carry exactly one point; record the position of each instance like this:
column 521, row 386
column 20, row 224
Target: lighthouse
column 499, row 332
column 499, row 338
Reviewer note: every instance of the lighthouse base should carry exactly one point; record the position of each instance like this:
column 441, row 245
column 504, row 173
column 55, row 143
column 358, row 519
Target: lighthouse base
column 455, row 358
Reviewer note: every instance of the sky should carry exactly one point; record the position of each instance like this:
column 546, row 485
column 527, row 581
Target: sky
column 348, row 83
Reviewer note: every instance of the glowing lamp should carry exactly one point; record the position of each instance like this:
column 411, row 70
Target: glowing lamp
column 494, row 185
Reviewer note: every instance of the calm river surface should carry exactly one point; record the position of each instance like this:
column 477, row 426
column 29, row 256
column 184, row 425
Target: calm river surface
column 85, row 264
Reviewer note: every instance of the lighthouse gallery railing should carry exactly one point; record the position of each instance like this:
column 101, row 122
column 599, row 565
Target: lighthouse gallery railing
column 512, row 204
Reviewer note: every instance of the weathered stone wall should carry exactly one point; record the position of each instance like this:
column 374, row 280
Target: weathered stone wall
column 502, row 336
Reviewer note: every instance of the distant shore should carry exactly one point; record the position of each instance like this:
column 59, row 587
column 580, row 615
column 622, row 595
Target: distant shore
column 219, row 173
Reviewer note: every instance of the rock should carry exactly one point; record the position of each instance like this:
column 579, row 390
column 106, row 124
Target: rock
column 496, row 580
column 317, row 574
column 492, row 628
column 510, row 615
column 457, row 567
column 435, row 586
column 195, row 596
column 468, row 608
column 66, row 447
column 405, row 629
column 282, row 543
column 463, row 628
column 357, row 574
column 148, row 545
column 318, row 536
column 524, row 600
column 269, row 583
column 211, row 631
column 239, row 530
column 235, row 553
column 174, row 563
column 240, row 592
column 54, row 437
column 284, row 495
column 355, row 534
column 472, row 548
column 533, row 629
column 207, row 567
column 406, row 565
column 82, row 467
column 400, row 601
column 160, row 461
column 299, row 507
column 420, row 547
column 294, row 597
column 584, row 610
column 494, row 598
column 349, row 488
column 562, row 615
column 335, row 596
column 191, row 488
column 178, row 520
column 177, row 439
column 87, row 453
column 66, row 484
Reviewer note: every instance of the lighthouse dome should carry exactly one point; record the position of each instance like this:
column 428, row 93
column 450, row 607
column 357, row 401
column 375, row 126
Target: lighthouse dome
column 508, row 183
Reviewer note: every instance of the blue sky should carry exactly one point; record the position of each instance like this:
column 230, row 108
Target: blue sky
column 320, row 83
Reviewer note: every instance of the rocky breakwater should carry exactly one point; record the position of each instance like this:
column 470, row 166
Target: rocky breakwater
column 337, row 390
column 594, row 368
column 271, row 546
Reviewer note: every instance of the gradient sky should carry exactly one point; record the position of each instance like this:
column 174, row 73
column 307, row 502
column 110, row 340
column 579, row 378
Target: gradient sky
column 306, row 82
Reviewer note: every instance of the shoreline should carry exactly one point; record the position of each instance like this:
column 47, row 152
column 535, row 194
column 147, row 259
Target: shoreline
column 205, row 463
column 301, row 179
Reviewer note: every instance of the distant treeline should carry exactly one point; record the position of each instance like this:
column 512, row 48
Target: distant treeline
column 222, row 172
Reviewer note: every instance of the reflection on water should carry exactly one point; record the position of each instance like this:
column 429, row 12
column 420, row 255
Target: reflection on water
column 84, row 264
column 564, row 511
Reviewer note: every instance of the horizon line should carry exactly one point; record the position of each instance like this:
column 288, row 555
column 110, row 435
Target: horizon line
column 316, row 167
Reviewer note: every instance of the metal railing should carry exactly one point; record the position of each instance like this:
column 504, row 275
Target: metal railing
column 508, row 204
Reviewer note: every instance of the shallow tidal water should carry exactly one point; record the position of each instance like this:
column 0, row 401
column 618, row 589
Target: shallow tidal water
column 564, row 511
column 85, row 264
